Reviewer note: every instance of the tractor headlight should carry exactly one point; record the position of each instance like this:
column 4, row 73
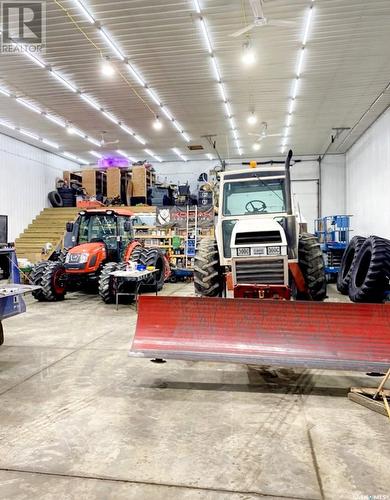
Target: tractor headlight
column 76, row 258
column 243, row 252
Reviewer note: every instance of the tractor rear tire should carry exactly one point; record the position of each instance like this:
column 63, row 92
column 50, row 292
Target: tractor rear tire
column 312, row 265
column 348, row 263
column 36, row 279
column 208, row 277
column 370, row 275
column 52, row 290
column 151, row 257
column 106, row 283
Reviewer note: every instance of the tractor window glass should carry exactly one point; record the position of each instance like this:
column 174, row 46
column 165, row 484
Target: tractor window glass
column 254, row 197
column 99, row 228
column 126, row 236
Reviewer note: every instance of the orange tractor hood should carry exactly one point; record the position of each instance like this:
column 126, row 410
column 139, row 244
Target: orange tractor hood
column 89, row 248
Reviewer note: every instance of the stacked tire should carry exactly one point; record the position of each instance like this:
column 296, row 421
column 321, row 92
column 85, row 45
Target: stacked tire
column 365, row 269
column 312, row 266
column 208, row 277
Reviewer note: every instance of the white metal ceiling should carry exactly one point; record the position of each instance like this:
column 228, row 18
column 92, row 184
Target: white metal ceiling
column 346, row 67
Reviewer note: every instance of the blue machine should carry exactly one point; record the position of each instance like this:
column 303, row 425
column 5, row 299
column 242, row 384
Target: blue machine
column 11, row 291
column 333, row 233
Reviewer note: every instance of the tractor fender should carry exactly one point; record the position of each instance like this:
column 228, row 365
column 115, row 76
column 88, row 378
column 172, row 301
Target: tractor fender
column 129, row 250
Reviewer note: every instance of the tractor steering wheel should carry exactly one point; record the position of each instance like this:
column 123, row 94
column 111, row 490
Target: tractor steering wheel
column 255, row 206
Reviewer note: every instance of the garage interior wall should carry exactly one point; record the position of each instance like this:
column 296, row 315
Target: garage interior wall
column 27, row 174
column 305, row 177
column 368, row 180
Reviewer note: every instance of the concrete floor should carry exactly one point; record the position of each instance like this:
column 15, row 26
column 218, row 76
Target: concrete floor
column 81, row 420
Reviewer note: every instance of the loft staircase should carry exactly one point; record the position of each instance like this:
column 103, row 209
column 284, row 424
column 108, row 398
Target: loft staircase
column 47, row 227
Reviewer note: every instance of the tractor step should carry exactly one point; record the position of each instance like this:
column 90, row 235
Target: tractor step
column 328, row 335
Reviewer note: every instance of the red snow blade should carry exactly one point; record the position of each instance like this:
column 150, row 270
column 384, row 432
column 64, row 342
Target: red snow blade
column 329, row 335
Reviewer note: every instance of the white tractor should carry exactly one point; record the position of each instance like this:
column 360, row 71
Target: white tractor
column 259, row 250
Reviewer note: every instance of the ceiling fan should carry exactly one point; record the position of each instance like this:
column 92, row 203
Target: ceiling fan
column 264, row 133
column 103, row 140
column 260, row 20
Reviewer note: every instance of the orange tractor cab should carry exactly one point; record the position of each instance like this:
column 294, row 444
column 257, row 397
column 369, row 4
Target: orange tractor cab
column 99, row 242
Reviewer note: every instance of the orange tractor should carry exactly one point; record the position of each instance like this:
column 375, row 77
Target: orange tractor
column 98, row 243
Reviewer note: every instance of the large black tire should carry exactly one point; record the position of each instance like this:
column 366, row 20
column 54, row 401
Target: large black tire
column 52, row 289
column 370, row 275
column 106, row 283
column 208, row 277
column 55, row 199
column 348, row 263
column 311, row 262
column 151, row 257
column 36, row 279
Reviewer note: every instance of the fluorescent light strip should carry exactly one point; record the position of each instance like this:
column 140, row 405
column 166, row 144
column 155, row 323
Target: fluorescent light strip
column 177, row 125
column 82, row 161
column 139, row 139
column 90, row 102
column 108, row 39
column 63, row 81
column 136, row 75
column 197, row 6
column 301, row 57
column 50, row 143
column 110, row 117
column 7, row 125
column 150, row 153
column 5, row 92
column 55, row 120
column 32, row 58
column 95, row 154
column 69, row 155
column 123, row 153
column 85, row 12
column 28, row 134
column 209, row 156
column 185, row 137
column 300, row 62
column 235, row 135
column 77, row 132
column 153, row 96
column 308, row 23
column 291, row 106
column 222, row 90
column 228, row 109
column 215, row 68
column 167, row 113
column 206, row 35
column 94, row 141
column 177, row 153
column 114, row 48
column 29, row 106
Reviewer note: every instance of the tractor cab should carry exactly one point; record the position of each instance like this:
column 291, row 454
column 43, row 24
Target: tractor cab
column 104, row 232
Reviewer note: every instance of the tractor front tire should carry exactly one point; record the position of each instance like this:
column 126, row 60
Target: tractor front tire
column 52, row 288
column 106, row 283
column 312, row 266
column 36, row 279
column 371, row 272
column 348, row 263
column 208, row 277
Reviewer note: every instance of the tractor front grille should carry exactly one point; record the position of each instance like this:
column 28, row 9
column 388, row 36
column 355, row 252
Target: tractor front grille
column 258, row 238
column 260, row 272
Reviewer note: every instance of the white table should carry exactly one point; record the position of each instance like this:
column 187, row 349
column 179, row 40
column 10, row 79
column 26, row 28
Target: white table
column 136, row 277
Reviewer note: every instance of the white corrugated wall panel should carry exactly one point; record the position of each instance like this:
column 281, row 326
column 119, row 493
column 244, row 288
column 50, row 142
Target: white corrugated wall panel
column 27, row 174
column 368, row 180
